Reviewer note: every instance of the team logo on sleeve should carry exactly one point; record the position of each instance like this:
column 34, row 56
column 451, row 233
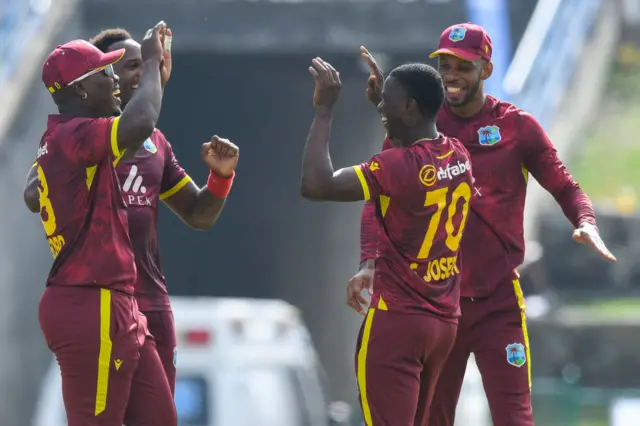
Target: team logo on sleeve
column 374, row 166
column 516, row 354
column 150, row 146
column 489, row 135
column 457, row 33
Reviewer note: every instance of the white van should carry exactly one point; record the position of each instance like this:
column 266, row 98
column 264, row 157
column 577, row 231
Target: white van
column 241, row 362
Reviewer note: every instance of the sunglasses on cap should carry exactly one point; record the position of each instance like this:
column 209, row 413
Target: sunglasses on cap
column 108, row 70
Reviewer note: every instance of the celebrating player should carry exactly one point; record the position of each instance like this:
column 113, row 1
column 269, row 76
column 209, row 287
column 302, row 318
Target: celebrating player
column 410, row 327
column 506, row 144
column 154, row 174
column 111, row 374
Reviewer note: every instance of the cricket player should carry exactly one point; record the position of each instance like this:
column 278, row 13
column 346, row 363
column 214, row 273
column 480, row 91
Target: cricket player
column 152, row 175
column 421, row 190
column 507, row 145
column 111, row 372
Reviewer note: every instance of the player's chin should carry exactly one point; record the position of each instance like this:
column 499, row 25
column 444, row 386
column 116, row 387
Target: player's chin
column 116, row 111
column 455, row 100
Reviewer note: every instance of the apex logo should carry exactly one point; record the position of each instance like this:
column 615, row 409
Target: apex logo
column 133, row 184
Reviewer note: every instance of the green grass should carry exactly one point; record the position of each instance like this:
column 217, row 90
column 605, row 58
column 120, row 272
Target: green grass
column 608, row 164
column 611, row 309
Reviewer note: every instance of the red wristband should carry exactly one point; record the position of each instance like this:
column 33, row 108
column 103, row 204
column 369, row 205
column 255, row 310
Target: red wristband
column 218, row 186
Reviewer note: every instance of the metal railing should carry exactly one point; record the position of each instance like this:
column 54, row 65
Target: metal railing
column 545, row 60
column 19, row 22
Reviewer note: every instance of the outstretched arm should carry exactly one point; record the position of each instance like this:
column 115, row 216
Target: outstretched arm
column 541, row 159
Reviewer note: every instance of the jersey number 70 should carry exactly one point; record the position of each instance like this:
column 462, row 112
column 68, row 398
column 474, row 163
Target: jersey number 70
column 438, row 197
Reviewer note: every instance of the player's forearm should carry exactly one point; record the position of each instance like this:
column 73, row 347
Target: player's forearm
column 141, row 114
column 317, row 169
column 369, row 229
column 577, row 206
column 205, row 209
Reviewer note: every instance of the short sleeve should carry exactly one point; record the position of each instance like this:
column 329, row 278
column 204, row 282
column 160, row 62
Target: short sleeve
column 90, row 141
column 374, row 175
column 174, row 177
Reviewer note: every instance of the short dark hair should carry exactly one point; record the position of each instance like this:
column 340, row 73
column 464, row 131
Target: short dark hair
column 422, row 83
column 107, row 38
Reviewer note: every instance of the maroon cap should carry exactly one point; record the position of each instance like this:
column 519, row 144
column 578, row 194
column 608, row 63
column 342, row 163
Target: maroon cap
column 466, row 41
column 74, row 60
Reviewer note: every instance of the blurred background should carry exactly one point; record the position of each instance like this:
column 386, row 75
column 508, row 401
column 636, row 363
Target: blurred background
column 240, row 71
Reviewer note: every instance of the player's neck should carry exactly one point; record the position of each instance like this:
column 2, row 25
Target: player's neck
column 423, row 132
column 75, row 111
column 472, row 108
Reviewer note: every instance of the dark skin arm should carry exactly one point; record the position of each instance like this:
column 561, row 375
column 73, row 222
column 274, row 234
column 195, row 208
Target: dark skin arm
column 31, row 195
column 141, row 114
column 319, row 181
column 197, row 207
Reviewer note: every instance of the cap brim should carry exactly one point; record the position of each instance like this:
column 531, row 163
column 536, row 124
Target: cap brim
column 459, row 53
column 111, row 58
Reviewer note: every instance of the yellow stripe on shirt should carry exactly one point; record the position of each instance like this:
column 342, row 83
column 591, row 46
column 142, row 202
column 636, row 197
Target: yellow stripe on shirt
column 177, row 187
column 114, row 138
column 363, row 182
column 115, row 149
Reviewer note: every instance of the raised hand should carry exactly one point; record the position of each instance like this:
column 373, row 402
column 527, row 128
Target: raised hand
column 328, row 85
column 167, row 62
column 221, row 156
column 376, row 78
column 151, row 47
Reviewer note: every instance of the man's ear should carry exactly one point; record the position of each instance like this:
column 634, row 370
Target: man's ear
column 487, row 70
column 80, row 91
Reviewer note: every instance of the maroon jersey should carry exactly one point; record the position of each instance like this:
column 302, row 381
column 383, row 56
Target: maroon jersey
column 506, row 144
column 422, row 196
column 82, row 210
column 152, row 175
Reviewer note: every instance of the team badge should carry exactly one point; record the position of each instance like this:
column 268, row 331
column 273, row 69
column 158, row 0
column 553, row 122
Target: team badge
column 457, row 33
column 489, row 135
column 516, row 354
column 150, row 146
column 175, row 357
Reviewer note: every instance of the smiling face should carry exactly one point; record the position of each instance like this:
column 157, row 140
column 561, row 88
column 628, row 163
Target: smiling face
column 394, row 109
column 100, row 93
column 128, row 69
column 463, row 80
